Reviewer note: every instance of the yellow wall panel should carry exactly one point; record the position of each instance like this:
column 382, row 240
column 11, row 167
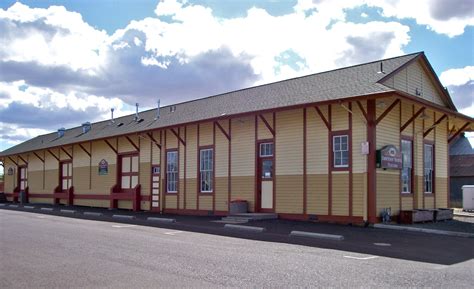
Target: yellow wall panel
column 388, row 130
column 206, row 134
column 429, row 201
column 101, row 184
column 289, row 142
column 81, row 158
column 171, row 201
column 339, row 117
column 80, row 180
column 359, row 135
column 243, row 148
column 171, row 139
column 243, row 188
column 340, row 194
column 289, row 194
column 407, row 113
column 191, row 194
column 316, row 144
column 221, row 191
column 317, row 194
column 388, row 195
column 205, row 203
column 407, row 203
column 263, row 131
column 359, row 192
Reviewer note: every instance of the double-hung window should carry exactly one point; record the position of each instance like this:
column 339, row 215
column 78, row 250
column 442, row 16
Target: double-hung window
column 407, row 165
column 428, row 168
column 206, row 168
column 172, row 172
column 340, row 148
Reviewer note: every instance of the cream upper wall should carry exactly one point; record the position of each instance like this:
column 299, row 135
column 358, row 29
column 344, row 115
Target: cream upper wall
column 416, row 76
column 289, row 142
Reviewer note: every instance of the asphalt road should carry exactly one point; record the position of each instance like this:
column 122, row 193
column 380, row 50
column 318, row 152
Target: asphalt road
column 47, row 251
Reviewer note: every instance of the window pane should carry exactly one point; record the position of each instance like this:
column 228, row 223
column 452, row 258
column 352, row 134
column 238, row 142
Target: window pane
column 64, row 169
column 266, row 149
column 135, row 164
column 206, row 169
column 22, row 173
column 65, row 185
column 134, row 182
column 267, row 169
column 22, row 185
column 125, row 164
column 125, row 182
column 172, row 171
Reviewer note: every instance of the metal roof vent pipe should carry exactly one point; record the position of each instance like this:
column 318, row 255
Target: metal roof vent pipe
column 86, row 127
column 61, row 132
column 112, row 120
column 158, row 110
column 381, row 68
column 137, row 118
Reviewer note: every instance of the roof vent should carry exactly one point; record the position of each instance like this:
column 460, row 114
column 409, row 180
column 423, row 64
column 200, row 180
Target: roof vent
column 137, row 117
column 120, row 124
column 86, row 127
column 158, row 110
column 112, row 120
column 173, row 108
column 61, row 132
column 381, row 68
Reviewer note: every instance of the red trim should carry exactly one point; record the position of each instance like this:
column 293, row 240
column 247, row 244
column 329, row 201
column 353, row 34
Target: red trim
column 458, row 132
column 274, row 162
column 16, row 163
column 323, row 218
column 197, row 166
column 222, row 130
column 137, row 148
column 434, row 125
column 364, row 113
column 42, row 160
column 70, row 156
column 50, row 152
column 256, row 203
column 214, row 168
column 449, row 169
column 305, row 182
column 23, row 160
column 213, row 172
column 111, row 147
column 184, row 168
column 258, row 177
column 387, row 111
column 411, row 119
column 179, row 167
column 328, row 124
column 371, row 160
column 229, row 167
column 332, row 134
column 150, row 135
column 272, row 130
column 349, row 114
column 194, row 212
column 82, row 147
column 178, row 136
column 331, row 156
column 166, row 172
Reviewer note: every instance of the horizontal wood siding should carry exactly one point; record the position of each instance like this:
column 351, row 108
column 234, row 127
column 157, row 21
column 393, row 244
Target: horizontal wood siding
column 317, row 202
column 340, row 193
column 191, row 167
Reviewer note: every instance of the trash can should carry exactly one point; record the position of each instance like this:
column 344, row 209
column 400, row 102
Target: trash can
column 238, row 207
column 468, row 197
column 22, row 197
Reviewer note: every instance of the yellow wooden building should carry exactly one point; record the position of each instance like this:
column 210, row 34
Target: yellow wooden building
column 339, row 146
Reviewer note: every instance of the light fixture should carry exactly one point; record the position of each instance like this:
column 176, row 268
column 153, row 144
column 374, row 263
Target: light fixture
column 424, row 115
column 381, row 104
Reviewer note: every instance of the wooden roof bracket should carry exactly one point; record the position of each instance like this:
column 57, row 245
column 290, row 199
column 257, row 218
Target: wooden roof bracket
column 111, row 146
column 406, row 124
column 458, row 132
column 42, row 160
column 364, row 113
column 51, row 153
column 84, row 149
column 69, row 155
column 227, row 135
column 323, row 118
column 16, row 164
column 387, row 111
column 21, row 158
column 178, row 137
column 137, row 148
column 434, row 125
column 150, row 135
column 271, row 129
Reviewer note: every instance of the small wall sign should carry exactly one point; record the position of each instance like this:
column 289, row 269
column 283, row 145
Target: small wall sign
column 10, row 171
column 389, row 157
column 103, row 167
column 155, row 170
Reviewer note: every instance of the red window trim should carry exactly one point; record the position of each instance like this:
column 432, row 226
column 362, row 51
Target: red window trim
column 213, row 170
column 347, row 133
column 166, row 172
column 433, row 177
column 408, row 138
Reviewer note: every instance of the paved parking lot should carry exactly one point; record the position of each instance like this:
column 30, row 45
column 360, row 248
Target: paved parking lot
column 45, row 250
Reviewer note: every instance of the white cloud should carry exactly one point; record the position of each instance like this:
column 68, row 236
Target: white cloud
column 457, row 76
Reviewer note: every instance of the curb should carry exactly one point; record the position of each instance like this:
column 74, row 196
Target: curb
column 161, row 220
column 46, row 209
column 127, row 217
column 3, row 205
column 316, row 235
column 422, row 230
column 28, row 207
column 467, row 215
column 92, row 214
column 67, row 211
column 13, row 206
column 244, row 228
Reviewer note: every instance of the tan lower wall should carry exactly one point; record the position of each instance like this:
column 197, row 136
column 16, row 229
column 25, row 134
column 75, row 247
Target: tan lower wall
column 205, row 203
column 92, row 203
column 80, row 179
column 171, row 201
column 407, row 203
column 359, row 188
column 41, row 200
column 289, row 194
column 317, row 194
column 125, row 205
column 441, row 194
column 191, row 194
column 340, row 194
column 243, row 188
column 429, row 201
column 387, row 190
column 221, row 188
column 51, row 180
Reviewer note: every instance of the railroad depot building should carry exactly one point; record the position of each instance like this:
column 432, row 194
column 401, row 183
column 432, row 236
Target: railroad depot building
column 338, row 146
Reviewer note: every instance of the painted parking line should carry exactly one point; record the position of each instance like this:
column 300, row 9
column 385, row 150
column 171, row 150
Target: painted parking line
column 173, row 233
column 123, row 226
column 383, row 244
column 361, row 258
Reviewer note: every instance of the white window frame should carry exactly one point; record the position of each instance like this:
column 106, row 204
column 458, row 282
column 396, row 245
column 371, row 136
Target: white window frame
column 409, row 167
column 428, row 170
column 206, row 169
column 172, row 175
column 265, row 148
column 340, row 151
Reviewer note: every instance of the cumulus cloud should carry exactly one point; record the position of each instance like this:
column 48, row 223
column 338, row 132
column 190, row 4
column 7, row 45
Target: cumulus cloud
column 460, row 83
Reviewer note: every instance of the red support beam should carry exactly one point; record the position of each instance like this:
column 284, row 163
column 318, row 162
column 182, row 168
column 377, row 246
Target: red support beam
column 272, row 130
column 150, row 135
column 364, row 113
column 434, row 125
column 68, row 154
column 84, row 149
column 42, row 160
column 371, row 160
column 406, row 124
column 458, row 132
column 51, row 153
column 16, row 164
column 178, row 137
column 111, row 146
column 21, row 158
column 137, row 148
column 387, row 111
column 222, row 130
column 328, row 125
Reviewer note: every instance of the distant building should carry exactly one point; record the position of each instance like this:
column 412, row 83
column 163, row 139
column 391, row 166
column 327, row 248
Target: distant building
column 461, row 163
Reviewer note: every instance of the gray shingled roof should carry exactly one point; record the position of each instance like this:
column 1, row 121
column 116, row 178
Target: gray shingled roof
column 461, row 146
column 341, row 83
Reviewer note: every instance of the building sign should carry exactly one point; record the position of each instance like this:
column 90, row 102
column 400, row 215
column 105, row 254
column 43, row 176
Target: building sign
column 103, row 167
column 389, row 157
column 10, row 171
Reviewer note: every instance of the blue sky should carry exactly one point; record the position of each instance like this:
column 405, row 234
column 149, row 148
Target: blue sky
column 66, row 62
